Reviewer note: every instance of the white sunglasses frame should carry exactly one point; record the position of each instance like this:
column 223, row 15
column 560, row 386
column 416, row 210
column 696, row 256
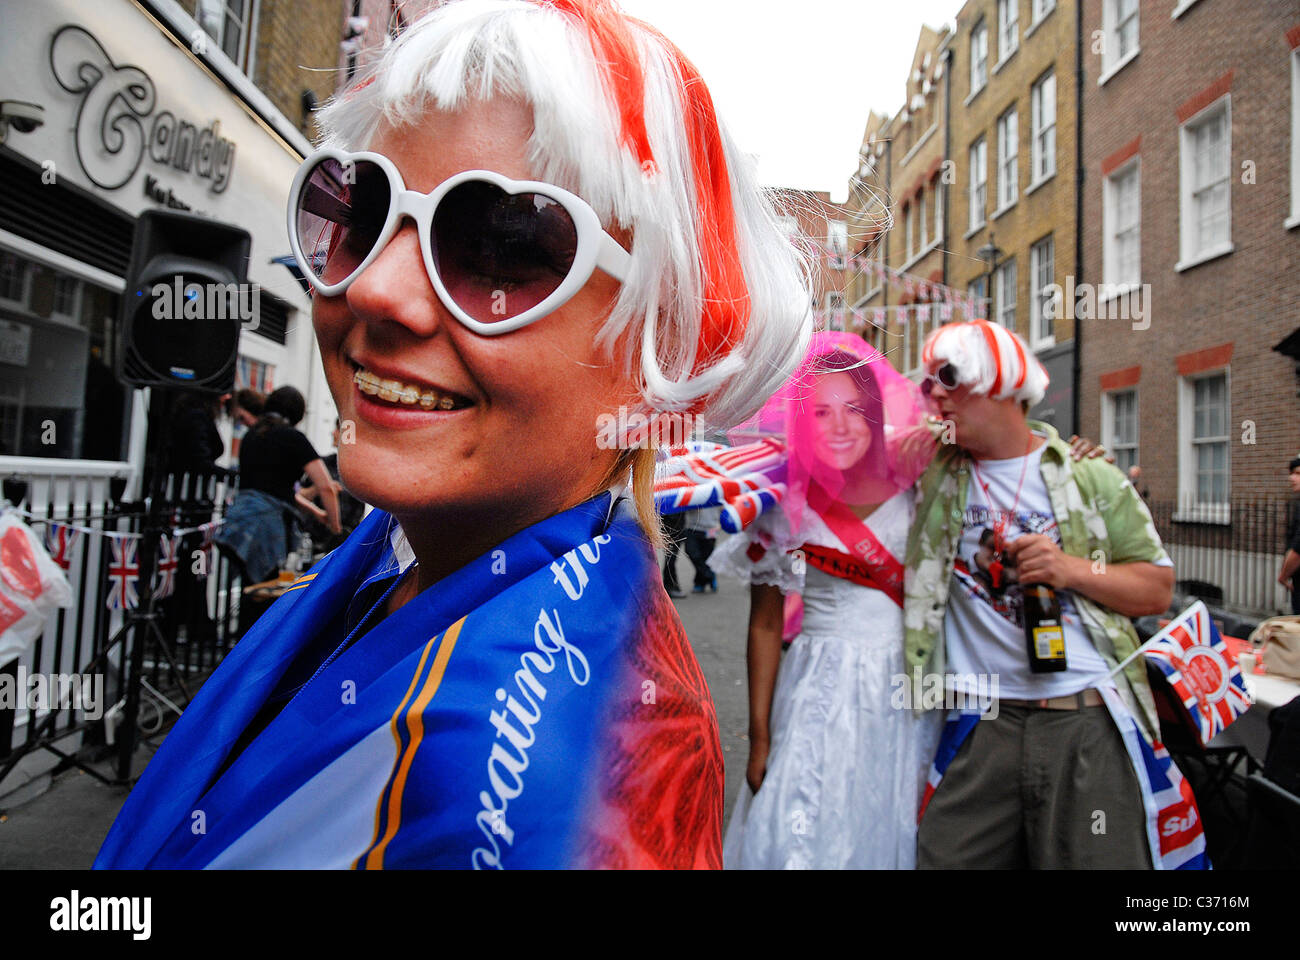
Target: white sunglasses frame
column 596, row 248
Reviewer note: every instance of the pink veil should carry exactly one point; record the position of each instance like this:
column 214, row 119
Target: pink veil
column 894, row 410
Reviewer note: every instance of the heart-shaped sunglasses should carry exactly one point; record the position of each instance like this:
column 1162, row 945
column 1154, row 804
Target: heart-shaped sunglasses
column 500, row 253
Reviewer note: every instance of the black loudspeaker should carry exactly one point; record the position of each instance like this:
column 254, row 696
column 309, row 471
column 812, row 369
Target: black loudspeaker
column 187, row 296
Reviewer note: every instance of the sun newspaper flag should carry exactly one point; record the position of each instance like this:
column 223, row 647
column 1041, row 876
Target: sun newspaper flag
column 1201, row 669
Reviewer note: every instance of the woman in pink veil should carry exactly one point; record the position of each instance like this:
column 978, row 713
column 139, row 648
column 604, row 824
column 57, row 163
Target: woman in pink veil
column 837, row 763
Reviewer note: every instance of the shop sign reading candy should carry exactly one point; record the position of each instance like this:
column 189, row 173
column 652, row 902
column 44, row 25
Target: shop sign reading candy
column 115, row 100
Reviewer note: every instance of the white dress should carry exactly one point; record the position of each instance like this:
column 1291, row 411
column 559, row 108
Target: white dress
column 848, row 762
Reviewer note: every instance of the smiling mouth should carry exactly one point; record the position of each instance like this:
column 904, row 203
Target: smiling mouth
column 401, row 394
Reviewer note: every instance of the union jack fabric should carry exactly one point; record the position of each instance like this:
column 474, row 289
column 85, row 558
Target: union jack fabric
column 168, row 559
column 60, row 540
column 123, row 572
column 1201, row 670
column 741, row 480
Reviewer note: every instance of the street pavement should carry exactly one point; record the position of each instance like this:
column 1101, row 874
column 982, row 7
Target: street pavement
column 717, row 626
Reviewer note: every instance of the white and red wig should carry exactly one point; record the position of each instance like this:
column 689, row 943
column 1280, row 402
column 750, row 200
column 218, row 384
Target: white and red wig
column 990, row 359
column 716, row 309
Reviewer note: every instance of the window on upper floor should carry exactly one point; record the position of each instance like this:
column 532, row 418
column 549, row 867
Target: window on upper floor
column 1206, row 184
column 1119, row 24
column 979, row 57
column 1042, row 8
column 978, row 182
column 1043, row 118
column 1008, row 28
column 1008, row 155
column 1122, row 226
column 228, row 22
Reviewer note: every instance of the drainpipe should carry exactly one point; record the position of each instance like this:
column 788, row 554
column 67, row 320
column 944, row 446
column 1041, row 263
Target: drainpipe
column 1077, row 361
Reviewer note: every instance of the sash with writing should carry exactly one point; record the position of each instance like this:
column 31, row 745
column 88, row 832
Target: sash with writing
column 868, row 562
column 538, row 708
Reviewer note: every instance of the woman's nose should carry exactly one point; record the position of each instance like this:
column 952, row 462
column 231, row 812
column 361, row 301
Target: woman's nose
column 396, row 288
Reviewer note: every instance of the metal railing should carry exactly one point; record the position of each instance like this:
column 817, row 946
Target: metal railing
column 1229, row 553
column 198, row 623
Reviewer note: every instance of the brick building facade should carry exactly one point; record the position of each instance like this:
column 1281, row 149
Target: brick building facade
column 1191, row 203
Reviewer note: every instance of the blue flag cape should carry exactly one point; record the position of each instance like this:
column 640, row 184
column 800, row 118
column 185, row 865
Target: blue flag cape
column 540, row 707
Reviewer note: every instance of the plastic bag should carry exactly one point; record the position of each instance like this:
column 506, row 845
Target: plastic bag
column 31, row 587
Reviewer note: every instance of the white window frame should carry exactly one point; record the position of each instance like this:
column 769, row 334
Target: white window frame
column 1038, row 11
column 909, row 230
column 979, row 59
column 211, row 16
column 922, row 221
column 979, row 182
column 1004, row 282
column 1294, row 220
column 1114, row 273
column 1008, row 161
column 1109, row 433
column 1190, row 508
column 1008, row 31
column 1182, row 7
column 1041, row 294
column 1112, row 61
column 1190, row 254
column 1042, row 152
column 938, row 211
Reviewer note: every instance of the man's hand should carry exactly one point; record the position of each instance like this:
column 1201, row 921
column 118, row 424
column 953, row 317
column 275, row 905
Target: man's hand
column 1081, row 448
column 1039, row 560
column 1283, row 579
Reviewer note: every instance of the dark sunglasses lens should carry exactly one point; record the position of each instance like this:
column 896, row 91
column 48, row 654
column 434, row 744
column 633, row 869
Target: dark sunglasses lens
column 947, row 376
column 500, row 254
column 341, row 212
column 927, row 386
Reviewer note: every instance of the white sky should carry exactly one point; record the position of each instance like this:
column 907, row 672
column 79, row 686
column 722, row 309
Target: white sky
column 794, row 80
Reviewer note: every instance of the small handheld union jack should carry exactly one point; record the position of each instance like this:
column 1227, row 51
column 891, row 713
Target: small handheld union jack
column 1201, row 669
column 60, row 541
column 123, row 572
column 209, row 531
column 165, row 582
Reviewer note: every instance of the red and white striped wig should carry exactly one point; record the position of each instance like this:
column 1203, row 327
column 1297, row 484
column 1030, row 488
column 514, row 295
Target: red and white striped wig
column 992, row 360
column 716, row 310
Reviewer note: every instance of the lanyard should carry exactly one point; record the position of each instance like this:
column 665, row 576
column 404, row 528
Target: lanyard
column 1001, row 517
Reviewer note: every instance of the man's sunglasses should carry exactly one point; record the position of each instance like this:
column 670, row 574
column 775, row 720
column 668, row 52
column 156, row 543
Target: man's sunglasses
column 500, row 253
column 945, row 376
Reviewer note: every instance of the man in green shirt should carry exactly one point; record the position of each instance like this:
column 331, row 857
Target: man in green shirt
column 1051, row 777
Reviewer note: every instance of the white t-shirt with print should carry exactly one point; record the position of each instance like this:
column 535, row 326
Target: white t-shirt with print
column 984, row 626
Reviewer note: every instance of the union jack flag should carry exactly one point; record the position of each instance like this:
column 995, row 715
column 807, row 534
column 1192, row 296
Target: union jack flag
column 60, row 541
column 123, row 572
column 709, row 474
column 1202, row 671
column 168, row 558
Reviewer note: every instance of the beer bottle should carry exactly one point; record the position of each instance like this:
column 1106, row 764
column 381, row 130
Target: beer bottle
column 1044, row 633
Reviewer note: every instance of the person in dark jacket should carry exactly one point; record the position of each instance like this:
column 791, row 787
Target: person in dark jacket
column 273, row 456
